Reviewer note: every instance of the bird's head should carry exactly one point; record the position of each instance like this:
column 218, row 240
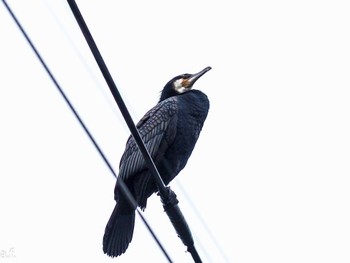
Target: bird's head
column 181, row 84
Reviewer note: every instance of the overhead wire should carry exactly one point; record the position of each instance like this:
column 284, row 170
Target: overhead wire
column 203, row 223
column 97, row 147
column 79, row 54
column 168, row 197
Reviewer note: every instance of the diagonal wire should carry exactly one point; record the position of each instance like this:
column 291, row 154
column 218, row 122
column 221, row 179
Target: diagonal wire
column 123, row 186
column 203, row 223
column 168, row 197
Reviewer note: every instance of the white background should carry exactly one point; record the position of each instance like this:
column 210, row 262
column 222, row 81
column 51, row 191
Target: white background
column 270, row 173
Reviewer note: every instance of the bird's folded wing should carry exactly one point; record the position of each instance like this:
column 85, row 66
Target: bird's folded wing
column 154, row 131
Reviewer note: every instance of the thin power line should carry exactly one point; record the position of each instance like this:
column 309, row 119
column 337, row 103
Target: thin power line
column 123, row 186
column 81, row 57
column 202, row 221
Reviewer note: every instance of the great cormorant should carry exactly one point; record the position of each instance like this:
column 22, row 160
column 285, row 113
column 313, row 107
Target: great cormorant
column 170, row 131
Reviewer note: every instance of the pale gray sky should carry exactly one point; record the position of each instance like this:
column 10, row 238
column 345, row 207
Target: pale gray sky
column 270, row 172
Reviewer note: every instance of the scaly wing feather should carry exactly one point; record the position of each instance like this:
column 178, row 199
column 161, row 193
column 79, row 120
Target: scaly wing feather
column 153, row 129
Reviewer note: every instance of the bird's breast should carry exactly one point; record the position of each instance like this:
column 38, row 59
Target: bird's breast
column 192, row 112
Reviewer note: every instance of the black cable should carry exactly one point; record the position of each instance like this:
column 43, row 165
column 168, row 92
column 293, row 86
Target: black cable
column 123, row 186
column 117, row 97
column 168, row 197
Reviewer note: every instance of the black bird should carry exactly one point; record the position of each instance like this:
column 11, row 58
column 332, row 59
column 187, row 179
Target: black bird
column 170, row 131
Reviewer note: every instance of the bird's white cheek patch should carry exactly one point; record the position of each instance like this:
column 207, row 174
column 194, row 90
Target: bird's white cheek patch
column 178, row 86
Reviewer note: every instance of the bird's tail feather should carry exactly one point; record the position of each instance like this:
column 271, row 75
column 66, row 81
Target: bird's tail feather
column 118, row 233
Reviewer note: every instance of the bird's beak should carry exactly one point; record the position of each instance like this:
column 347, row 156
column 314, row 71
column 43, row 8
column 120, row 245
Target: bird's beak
column 196, row 76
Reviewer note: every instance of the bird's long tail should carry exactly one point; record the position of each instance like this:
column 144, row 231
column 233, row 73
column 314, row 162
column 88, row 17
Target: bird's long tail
column 118, row 232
